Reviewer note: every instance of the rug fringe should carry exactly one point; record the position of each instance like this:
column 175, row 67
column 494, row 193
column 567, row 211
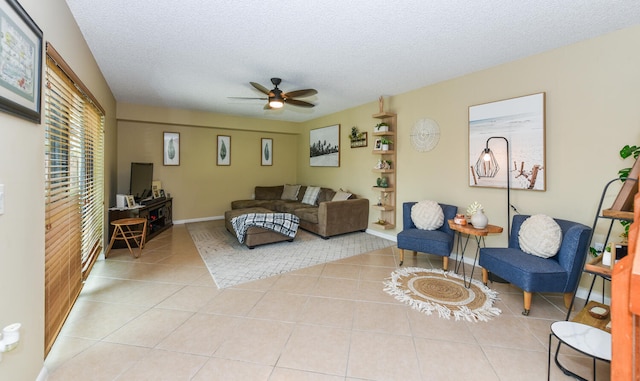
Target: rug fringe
column 392, row 286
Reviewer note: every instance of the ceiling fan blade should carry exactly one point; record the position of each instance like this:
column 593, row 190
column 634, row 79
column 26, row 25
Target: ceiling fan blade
column 267, row 107
column 264, row 99
column 297, row 102
column 301, row 93
column 260, row 87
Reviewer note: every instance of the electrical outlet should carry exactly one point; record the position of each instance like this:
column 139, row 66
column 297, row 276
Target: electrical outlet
column 599, row 246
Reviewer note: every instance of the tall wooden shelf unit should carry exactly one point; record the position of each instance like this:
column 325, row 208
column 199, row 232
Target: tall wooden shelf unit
column 387, row 195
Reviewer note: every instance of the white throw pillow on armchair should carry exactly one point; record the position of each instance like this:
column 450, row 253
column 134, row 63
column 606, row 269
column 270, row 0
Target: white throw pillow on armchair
column 540, row 235
column 427, row 215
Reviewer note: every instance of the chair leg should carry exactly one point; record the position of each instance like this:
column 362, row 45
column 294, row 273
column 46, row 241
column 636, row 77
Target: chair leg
column 527, row 303
column 485, row 276
column 401, row 256
column 445, row 263
column 568, row 296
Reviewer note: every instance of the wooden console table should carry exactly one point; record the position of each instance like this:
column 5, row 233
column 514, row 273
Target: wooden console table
column 157, row 212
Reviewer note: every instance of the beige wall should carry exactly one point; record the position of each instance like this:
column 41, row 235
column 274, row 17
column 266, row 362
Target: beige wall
column 200, row 188
column 21, row 171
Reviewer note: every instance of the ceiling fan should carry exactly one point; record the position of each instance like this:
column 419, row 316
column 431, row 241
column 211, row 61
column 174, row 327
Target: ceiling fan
column 277, row 98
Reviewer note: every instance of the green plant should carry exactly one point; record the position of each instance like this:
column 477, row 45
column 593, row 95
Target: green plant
column 384, row 140
column 380, row 125
column 623, row 174
column 355, row 134
column 625, row 152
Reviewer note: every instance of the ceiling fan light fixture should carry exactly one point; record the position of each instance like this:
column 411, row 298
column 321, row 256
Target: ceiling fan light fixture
column 276, row 101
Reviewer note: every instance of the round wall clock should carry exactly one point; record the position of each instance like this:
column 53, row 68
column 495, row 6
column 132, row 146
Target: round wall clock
column 425, row 135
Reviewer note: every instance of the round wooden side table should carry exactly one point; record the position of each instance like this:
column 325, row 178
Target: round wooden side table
column 126, row 229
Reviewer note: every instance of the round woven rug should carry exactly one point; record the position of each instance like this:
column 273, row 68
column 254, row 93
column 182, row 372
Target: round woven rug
column 429, row 290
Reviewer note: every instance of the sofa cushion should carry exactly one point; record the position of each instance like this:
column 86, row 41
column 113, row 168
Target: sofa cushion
column 325, row 195
column 427, row 215
column 268, row 193
column 307, row 214
column 341, row 196
column 540, row 235
column 290, row 192
column 311, row 195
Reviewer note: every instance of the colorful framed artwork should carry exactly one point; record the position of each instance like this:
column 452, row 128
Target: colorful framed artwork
column 324, row 146
column 21, row 62
column 223, row 156
column 171, row 148
column 514, row 132
column 266, row 151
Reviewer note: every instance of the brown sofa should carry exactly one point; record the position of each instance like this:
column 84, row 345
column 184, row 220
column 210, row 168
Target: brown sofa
column 325, row 218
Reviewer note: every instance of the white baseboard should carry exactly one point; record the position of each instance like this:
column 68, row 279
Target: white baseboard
column 213, row 218
column 380, row 234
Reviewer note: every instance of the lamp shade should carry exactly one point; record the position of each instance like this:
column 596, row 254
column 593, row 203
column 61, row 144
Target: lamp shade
column 487, row 165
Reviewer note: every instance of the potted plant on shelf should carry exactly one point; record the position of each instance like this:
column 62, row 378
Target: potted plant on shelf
column 381, row 127
column 385, row 143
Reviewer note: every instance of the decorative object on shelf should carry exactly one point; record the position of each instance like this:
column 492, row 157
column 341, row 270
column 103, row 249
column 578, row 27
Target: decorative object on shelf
column 460, row 219
column 382, row 182
column 521, row 120
column 377, row 145
column 479, row 220
column 224, row 150
column 266, row 151
column 425, row 135
column 383, row 164
column 171, row 148
column 381, row 127
column 384, row 143
column 324, row 146
column 358, row 139
column 21, row 63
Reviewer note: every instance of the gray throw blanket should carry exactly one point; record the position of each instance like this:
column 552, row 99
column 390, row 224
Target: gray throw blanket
column 283, row 223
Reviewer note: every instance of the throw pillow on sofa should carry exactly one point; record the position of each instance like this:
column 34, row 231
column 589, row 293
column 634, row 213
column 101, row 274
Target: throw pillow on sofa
column 290, row 192
column 311, row 195
column 341, row 196
column 427, row 215
column 540, row 235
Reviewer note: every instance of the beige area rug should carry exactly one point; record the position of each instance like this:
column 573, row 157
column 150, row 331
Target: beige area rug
column 429, row 290
column 231, row 263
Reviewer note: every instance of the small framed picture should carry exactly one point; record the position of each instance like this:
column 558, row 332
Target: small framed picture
column 156, row 193
column 224, row 150
column 171, row 148
column 378, row 145
column 266, row 151
column 131, row 202
column 162, row 194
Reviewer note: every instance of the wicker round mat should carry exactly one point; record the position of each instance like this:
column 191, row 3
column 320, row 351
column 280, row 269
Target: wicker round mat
column 429, row 290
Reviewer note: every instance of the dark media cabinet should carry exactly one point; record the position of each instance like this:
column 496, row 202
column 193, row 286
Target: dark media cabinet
column 158, row 213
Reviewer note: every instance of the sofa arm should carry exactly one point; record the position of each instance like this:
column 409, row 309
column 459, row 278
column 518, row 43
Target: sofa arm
column 337, row 217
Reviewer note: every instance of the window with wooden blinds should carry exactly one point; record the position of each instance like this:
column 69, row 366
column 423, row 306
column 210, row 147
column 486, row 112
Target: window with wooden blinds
column 74, row 189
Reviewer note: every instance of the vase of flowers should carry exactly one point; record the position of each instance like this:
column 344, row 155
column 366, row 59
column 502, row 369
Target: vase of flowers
column 475, row 213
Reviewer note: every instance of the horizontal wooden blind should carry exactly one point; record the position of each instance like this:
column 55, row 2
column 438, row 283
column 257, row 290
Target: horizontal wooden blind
column 74, row 192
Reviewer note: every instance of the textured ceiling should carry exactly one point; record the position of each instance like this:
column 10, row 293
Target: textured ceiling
column 194, row 54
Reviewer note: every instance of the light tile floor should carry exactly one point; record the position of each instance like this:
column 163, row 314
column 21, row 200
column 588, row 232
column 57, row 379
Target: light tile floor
column 161, row 317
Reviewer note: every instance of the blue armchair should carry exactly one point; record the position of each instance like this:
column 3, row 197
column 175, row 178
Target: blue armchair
column 438, row 242
column 560, row 273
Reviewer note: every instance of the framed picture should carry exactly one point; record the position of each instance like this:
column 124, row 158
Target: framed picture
column 162, row 194
column 131, row 202
column 156, row 193
column 324, row 146
column 21, row 62
column 266, row 151
column 378, row 145
column 359, row 141
column 171, row 148
column 514, row 131
column 224, row 150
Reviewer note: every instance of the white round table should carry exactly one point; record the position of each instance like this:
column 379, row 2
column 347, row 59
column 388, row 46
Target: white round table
column 585, row 339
